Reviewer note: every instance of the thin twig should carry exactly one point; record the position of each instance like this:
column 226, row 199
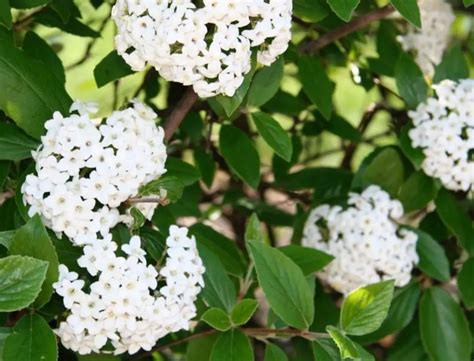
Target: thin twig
column 339, row 33
column 179, row 112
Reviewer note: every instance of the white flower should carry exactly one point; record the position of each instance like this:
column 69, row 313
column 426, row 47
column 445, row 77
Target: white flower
column 85, row 172
column 208, row 45
column 125, row 306
column 444, row 129
column 429, row 42
column 364, row 239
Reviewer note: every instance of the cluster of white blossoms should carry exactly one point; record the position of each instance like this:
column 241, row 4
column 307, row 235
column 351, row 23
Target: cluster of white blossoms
column 126, row 307
column 85, row 171
column 429, row 42
column 207, row 44
column 364, row 239
column 444, row 129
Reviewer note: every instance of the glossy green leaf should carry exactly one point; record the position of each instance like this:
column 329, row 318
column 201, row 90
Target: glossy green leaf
column 273, row 134
column 200, row 349
column 232, row 346
column 417, row 191
column 409, row 10
column 454, row 66
column 410, row 81
column 27, row 4
column 311, row 10
column 32, row 240
column 5, row 14
column 310, row 260
column 206, row 165
column 31, row 340
column 243, row 311
column 240, row 154
column 14, row 143
column 217, row 319
column 343, row 8
column 186, row 173
column 444, row 329
column 253, row 230
column 169, row 187
column 325, row 349
column 365, row 308
column 274, row 353
column 415, row 155
column 465, row 282
column 111, row 68
column 265, row 83
column 347, row 348
column 20, row 281
column 468, row 2
column 284, row 285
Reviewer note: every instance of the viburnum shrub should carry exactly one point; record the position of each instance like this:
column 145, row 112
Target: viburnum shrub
column 236, row 180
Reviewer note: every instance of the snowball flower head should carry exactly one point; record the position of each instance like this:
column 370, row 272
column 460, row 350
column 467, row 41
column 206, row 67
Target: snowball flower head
column 429, row 42
column 207, row 44
column 444, row 129
column 124, row 306
column 365, row 240
column 85, row 171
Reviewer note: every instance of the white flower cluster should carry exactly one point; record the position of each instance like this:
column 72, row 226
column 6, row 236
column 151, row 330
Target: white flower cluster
column 85, row 172
column 444, row 129
column 125, row 306
column 431, row 40
column 207, row 44
column 364, row 239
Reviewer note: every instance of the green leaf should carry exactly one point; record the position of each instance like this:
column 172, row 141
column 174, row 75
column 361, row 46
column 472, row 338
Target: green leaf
column 444, row 329
column 400, row 314
column 284, row 285
column 32, row 240
column 185, row 172
column 31, row 340
column 468, row 2
column 433, row 259
column 6, row 238
column 253, row 231
column 232, row 346
column 347, row 348
column 410, row 81
column 217, row 318
column 310, row 260
column 386, row 169
column 4, row 333
column 30, row 92
column 454, row 66
column 456, row 219
column 35, row 47
column 465, row 277
column 243, row 311
column 169, row 184
column 218, row 289
column 325, row 349
column 240, row 154
column 265, row 83
column 27, row 4
column 316, row 84
column 417, row 191
column 408, row 346
column 311, row 10
column 342, row 128
column 343, row 8
column 274, row 134
column 5, row 14
column 364, row 309
column 139, row 219
column 73, row 26
column 200, row 349
column 206, row 165
column 274, row 353
column 64, row 8
column 409, row 10
column 20, row 281
column 415, row 155
column 111, row 68
column 14, row 143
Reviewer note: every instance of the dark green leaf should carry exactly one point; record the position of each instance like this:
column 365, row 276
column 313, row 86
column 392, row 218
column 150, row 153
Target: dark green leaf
column 409, row 10
column 254, row 231
column 6, row 238
column 325, row 349
column 310, row 260
column 111, row 68
column 232, row 346
column 35, row 47
column 417, row 191
column 73, row 26
column 453, row 66
column 20, row 281
column 408, row 346
column 456, row 219
column 265, row 83
column 206, row 165
column 274, row 134
column 285, row 103
column 364, row 309
column 347, row 348
column 31, row 340
column 468, row 2
column 217, row 319
column 169, row 185
column 274, row 353
column 14, row 143
column 410, row 81
column 64, row 8
column 415, row 155
column 341, row 127
column 311, row 10
column 218, row 289
column 139, row 218
column 316, row 84
column 243, row 311
column 5, row 14
column 200, row 349
column 240, row 154
column 444, row 328
column 185, row 172
column 27, row 4
column 284, row 285
column 465, row 279
column 30, row 93
column 33, row 240
column 343, row 8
